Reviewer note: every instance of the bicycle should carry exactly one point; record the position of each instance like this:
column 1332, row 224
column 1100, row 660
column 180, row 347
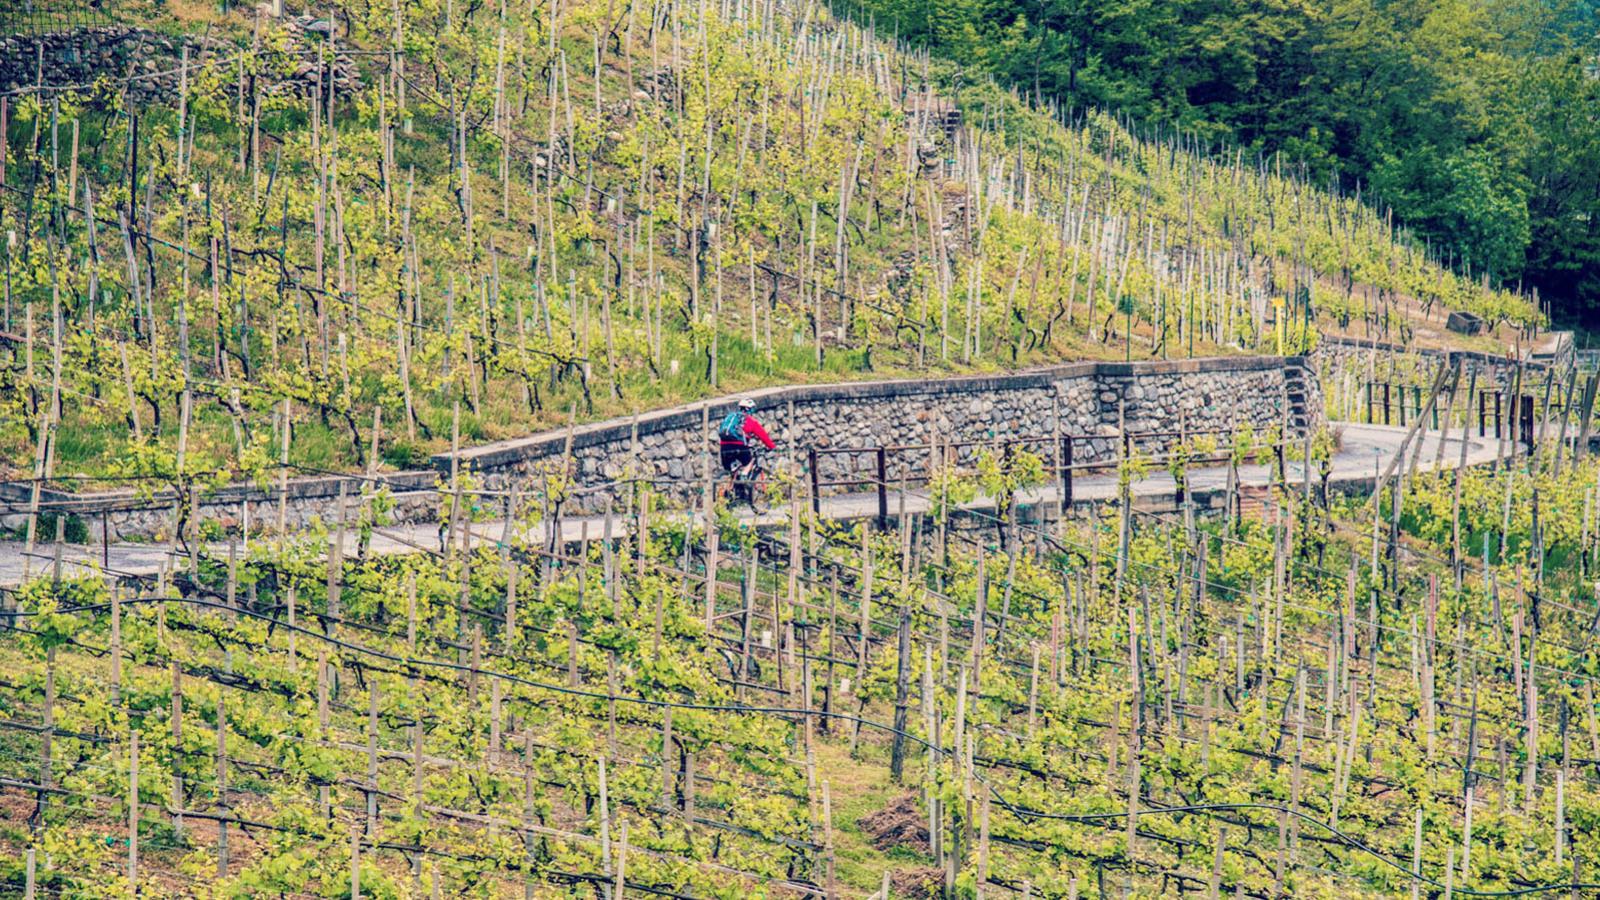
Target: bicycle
column 749, row 484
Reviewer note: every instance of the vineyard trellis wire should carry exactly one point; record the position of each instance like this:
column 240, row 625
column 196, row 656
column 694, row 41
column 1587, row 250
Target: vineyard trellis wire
column 844, row 660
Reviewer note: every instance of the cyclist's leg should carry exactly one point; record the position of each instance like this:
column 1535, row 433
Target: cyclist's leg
column 756, row 484
column 730, row 469
column 741, row 484
column 736, row 459
column 746, row 472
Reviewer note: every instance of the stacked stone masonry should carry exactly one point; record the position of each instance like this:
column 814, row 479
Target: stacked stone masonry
column 130, row 516
column 1344, row 367
column 1090, row 402
column 145, row 65
column 673, row 448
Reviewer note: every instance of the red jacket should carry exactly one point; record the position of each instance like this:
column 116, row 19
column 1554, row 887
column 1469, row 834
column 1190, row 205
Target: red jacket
column 753, row 429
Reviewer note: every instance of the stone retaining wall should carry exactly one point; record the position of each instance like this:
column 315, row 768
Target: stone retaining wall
column 149, row 60
column 1343, row 366
column 674, row 447
column 1341, row 353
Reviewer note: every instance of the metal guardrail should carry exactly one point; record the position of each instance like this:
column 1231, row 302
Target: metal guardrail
column 29, row 18
column 1060, row 460
column 1388, row 403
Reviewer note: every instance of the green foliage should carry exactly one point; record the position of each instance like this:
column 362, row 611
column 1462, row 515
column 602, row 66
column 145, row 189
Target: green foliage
column 668, row 231
column 1218, row 677
column 1181, row 454
column 1462, row 199
column 1472, row 120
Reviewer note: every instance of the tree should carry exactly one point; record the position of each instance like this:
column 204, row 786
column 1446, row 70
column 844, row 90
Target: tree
column 1474, row 120
column 1563, row 98
column 1465, row 200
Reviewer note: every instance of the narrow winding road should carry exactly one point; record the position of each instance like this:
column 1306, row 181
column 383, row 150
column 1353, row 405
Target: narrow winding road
column 1365, row 451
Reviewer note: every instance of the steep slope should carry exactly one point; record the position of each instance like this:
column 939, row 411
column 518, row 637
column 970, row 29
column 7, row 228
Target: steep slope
column 532, row 213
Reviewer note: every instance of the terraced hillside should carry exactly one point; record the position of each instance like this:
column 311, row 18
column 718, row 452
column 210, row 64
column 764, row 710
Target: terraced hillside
column 384, row 212
column 345, row 238
column 1324, row 697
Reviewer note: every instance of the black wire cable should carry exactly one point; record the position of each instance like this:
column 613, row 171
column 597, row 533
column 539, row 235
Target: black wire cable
column 1017, row 810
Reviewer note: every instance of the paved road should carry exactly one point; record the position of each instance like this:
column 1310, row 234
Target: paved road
column 1365, row 451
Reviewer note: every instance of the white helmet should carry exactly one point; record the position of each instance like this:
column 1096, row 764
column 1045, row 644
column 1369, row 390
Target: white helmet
column 746, row 404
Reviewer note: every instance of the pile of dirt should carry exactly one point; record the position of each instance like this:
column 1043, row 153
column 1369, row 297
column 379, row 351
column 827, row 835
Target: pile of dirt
column 923, row 882
column 900, row 824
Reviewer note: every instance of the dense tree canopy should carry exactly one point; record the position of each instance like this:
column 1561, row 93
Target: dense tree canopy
column 1477, row 121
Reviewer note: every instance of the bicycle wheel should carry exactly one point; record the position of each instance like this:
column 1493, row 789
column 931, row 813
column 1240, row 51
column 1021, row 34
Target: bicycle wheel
column 757, row 488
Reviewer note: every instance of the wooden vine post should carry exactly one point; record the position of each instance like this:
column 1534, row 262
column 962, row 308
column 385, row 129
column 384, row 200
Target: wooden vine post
column 133, row 810
column 47, row 731
column 177, row 741
column 897, row 753
column 225, row 814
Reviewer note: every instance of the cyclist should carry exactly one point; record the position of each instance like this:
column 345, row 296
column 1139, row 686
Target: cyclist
column 737, row 430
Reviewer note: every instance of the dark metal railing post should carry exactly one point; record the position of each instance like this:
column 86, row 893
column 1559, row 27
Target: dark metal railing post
column 883, row 487
column 1527, row 421
column 1066, row 474
column 1483, row 399
column 1386, row 404
column 816, row 490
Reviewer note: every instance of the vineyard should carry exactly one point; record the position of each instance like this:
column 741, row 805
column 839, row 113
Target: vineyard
column 1322, row 699
column 585, row 209
column 341, row 241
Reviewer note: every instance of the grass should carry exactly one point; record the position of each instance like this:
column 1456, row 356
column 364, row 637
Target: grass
column 77, row 447
column 857, row 789
column 579, row 243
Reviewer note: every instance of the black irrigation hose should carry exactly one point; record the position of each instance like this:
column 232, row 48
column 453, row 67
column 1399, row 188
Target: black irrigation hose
column 1342, row 836
column 1014, row 809
column 1052, row 538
